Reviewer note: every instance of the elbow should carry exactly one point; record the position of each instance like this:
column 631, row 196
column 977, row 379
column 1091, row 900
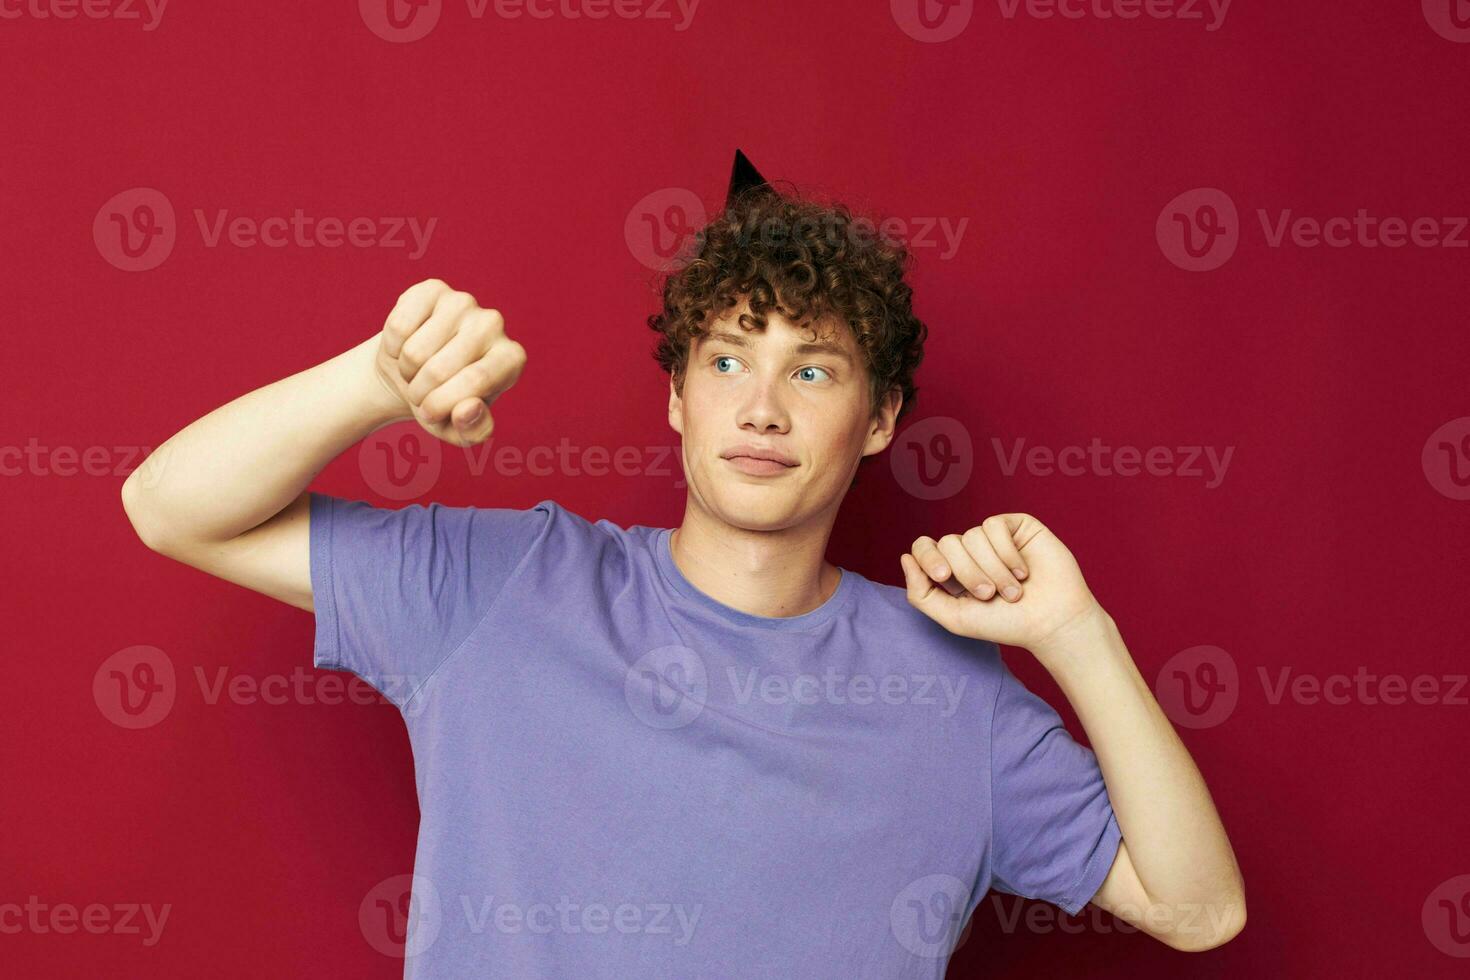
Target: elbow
column 1215, row 925
column 135, row 507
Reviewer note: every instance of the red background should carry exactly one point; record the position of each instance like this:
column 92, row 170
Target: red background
column 1326, row 548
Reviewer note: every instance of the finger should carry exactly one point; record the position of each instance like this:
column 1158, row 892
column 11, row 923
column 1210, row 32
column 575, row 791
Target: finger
column 969, row 574
column 926, row 596
column 409, row 313
column 473, row 422
column 436, row 331
column 927, row 553
column 978, row 545
column 999, row 532
column 485, row 379
column 471, row 335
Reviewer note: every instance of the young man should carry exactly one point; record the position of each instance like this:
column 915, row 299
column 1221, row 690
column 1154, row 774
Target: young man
column 707, row 751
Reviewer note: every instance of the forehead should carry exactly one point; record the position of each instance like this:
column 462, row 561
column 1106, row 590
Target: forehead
column 827, row 330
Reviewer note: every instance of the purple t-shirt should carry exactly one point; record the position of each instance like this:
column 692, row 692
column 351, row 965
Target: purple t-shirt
column 619, row 776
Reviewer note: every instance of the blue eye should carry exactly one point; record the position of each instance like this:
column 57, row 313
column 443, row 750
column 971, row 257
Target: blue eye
column 805, row 369
column 722, row 358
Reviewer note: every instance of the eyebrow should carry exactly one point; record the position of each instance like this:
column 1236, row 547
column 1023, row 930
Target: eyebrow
column 808, row 347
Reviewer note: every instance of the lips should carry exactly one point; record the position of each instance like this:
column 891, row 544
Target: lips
column 759, row 454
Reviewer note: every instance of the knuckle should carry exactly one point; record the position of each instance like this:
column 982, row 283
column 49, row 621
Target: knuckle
column 424, row 286
column 473, row 326
column 476, row 377
column 412, row 356
column 453, row 299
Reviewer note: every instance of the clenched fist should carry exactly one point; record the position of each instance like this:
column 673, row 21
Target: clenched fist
column 448, row 359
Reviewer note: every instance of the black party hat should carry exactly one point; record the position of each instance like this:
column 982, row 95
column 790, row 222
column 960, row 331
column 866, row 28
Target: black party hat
column 743, row 175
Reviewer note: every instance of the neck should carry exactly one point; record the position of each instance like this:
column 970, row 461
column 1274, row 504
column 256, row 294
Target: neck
column 763, row 573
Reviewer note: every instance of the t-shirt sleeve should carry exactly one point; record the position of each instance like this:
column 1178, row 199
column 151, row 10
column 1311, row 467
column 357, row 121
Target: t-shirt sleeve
column 396, row 591
column 1053, row 831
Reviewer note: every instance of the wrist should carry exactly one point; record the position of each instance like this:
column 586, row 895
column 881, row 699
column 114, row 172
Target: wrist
column 1089, row 634
column 380, row 405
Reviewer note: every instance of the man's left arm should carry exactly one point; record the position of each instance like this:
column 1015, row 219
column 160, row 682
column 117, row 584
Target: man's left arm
column 1010, row 580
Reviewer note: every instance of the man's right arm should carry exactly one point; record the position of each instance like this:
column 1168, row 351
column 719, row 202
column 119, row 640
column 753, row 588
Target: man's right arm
column 227, row 494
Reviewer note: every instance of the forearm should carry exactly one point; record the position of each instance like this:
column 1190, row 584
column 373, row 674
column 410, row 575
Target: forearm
column 1176, row 841
column 245, row 461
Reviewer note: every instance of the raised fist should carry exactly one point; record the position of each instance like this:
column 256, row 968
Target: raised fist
column 448, row 359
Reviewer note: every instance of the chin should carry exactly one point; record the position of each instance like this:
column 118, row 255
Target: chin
column 757, row 506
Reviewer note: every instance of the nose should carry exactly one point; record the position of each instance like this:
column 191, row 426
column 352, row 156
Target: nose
column 763, row 411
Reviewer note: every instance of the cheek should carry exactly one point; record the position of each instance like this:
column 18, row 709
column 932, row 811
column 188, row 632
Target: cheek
column 701, row 412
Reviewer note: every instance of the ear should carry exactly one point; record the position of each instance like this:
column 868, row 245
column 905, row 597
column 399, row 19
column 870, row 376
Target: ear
column 676, row 408
column 880, row 431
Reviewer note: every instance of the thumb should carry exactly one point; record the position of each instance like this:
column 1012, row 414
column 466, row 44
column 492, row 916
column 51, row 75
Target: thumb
column 927, row 596
column 472, row 420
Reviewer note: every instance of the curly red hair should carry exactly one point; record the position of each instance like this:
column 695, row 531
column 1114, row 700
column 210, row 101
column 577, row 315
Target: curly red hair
column 805, row 260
